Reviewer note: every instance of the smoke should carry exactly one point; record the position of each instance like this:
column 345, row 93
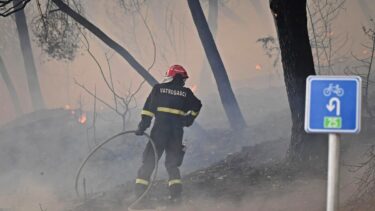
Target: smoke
column 29, row 195
column 305, row 193
column 40, row 152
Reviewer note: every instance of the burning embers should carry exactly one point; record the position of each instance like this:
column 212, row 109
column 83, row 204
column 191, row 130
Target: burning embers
column 78, row 114
column 82, row 118
column 258, row 67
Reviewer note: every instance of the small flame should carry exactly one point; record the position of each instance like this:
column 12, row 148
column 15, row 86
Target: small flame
column 82, row 119
column 67, row 107
column 258, row 67
column 194, row 88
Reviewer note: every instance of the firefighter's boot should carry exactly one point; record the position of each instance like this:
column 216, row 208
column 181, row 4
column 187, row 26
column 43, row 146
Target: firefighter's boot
column 175, row 197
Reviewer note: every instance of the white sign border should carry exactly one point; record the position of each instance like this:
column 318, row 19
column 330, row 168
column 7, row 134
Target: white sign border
column 311, row 78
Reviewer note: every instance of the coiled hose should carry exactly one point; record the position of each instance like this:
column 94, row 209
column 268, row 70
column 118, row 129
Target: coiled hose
column 110, row 139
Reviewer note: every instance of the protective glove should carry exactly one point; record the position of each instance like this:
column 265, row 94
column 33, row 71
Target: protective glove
column 141, row 129
column 188, row 121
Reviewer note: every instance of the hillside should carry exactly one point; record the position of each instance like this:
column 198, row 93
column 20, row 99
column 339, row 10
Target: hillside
column 42, row 151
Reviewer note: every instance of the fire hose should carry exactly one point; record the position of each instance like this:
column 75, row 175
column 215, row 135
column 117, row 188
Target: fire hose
column 136, row 201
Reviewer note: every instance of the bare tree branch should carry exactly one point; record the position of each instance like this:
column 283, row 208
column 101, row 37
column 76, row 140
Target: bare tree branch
column 93, row 95
column 107, row 40
column 6, row 10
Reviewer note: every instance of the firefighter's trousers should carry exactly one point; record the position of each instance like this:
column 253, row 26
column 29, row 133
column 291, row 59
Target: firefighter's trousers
column 168, row 139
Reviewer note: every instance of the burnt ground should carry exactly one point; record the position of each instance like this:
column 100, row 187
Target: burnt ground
column 41, row 152
column 253, row 173
column 256, row 178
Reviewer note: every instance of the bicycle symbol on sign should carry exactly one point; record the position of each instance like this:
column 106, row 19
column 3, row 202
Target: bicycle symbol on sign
column 335, row 89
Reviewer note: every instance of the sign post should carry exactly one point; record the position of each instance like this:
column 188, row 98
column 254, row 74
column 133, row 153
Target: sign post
column 333, row 172
column 333, row 106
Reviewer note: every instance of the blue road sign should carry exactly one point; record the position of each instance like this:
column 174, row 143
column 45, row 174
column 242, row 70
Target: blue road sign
column 333, row 104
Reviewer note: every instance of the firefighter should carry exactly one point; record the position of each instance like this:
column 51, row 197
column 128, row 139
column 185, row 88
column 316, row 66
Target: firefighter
column 174, row 107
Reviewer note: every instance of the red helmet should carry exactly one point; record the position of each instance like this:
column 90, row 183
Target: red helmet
column 176, row 70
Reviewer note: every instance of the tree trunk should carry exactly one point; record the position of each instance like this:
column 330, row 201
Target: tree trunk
column 107, row 40
column 291, row 25
column 227, row 96
column 12, row 91
column 28, row 59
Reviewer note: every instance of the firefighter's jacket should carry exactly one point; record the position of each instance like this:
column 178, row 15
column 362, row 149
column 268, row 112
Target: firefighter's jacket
column 170, row 104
